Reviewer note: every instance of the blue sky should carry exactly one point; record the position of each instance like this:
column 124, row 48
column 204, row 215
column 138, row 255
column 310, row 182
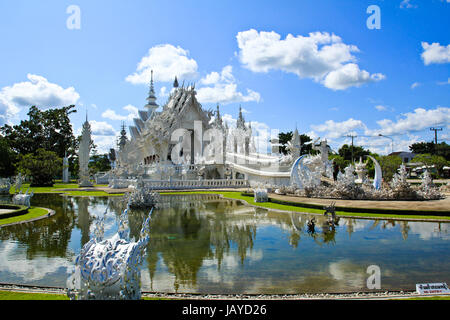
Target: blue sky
column 314, row 64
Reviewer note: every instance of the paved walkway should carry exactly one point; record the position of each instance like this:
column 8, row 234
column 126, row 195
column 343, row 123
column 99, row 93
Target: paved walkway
column 434, row 205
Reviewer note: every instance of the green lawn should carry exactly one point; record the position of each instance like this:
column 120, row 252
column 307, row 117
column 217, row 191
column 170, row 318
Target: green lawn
column 270, row 205
column 59, row 188
column 9, row 295
column 33, row 213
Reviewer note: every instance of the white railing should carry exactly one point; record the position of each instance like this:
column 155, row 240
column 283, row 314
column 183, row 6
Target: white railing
column 186, row 184
column 195, row 184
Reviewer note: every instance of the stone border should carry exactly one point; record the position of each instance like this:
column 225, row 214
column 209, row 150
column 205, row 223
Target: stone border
column 50, row 213
column 376, row 295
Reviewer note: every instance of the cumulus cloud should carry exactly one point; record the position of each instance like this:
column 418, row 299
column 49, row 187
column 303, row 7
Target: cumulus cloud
column 402, row 130
column 112, row 115
column 166, row 61
column 339, row 129
column 37, row 91
column 222, row 88
column 320, row 56
column 435, row 53
column 415, row 121
column 350, row 75
column 101, row 128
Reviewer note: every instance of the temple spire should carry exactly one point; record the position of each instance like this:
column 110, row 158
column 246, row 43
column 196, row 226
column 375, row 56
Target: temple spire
column 151, row 105
column 240, row 121
column 175, row 82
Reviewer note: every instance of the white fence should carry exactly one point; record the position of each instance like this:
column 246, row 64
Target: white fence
column 185, row 184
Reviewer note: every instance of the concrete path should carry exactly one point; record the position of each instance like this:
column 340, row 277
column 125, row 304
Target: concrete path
column 435, row 205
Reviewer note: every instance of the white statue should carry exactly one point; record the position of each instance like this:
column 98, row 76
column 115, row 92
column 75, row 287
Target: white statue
column 83, row 155
column 65, row 174
column 23, row 199
column 109, row 269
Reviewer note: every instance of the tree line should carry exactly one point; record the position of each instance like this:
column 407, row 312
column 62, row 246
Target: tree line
column 37, row 145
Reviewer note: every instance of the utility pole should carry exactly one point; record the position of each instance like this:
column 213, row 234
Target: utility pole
column 435, row 133
column 351, row 136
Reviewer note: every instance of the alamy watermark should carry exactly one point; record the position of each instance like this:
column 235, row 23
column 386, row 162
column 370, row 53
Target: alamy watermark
column 374, row 20
column 374, row 280
column 73, row 22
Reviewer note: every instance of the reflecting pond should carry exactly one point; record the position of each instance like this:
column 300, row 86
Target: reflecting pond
column 204, row 244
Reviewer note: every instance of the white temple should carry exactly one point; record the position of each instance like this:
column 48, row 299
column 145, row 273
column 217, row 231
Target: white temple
column 184, row 143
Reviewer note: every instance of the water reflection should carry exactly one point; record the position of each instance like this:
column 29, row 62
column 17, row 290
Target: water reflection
column 204, row 244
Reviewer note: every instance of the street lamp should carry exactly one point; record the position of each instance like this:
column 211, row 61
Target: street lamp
column 392, row 144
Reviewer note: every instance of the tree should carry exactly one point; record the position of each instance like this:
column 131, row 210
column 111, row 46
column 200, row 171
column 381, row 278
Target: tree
column 7, row 159
column 389, row 166
column 49, row 129
column 346, row 152
column 441, row 149
column 432, row 160
column 99, row 163
column 42, row 167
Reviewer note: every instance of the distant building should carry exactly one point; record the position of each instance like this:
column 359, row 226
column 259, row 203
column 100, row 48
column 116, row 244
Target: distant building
column 404, row 155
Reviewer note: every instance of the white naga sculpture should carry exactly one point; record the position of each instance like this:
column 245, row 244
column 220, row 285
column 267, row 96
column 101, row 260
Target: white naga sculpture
column 22, row 199
column 109, row 269
column 307, row 170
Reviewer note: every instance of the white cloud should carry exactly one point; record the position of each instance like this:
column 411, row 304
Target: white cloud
column 415, row 121
column 350, row 75
column 37, row 91
column 112, row 115
column 407, row 4
column 101, row 128
column 166, row 61
column 224, row 89
column 380, row 107
column 339, row 129
column 415, row 85
column 319, row 56
column 400, row 130
column 435, row 53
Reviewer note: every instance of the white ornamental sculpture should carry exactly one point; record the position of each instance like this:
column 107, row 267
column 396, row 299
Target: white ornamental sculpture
column 109, row 269
column 65, row 173
column 83, row 155
column 22, row 199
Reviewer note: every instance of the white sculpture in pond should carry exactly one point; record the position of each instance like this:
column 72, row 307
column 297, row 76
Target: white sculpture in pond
column 109, row 269
column 260, row 195
column 22, row 199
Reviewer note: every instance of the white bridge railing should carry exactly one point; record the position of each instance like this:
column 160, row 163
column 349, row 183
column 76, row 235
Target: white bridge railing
column 184, row 184
column 195, row 184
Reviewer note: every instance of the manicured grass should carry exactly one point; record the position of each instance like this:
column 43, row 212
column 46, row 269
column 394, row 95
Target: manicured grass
column 60, row 188
column 427, row 298
column 10, row 295
column 271, row 205
column 33, row 213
